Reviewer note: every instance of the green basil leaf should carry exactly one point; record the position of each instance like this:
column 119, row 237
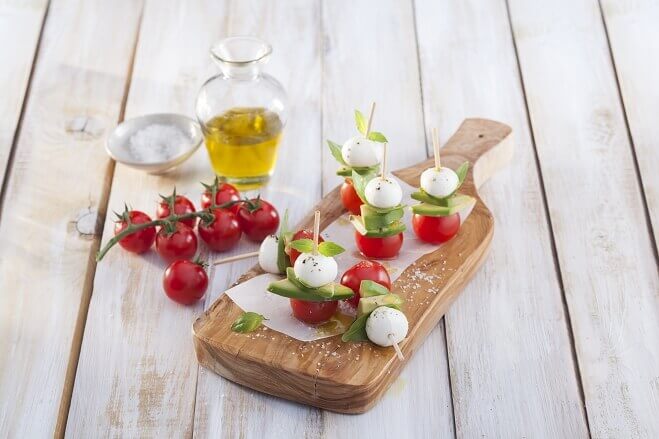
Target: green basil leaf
column 330, row 249
column 247, row 322
column 360, row 121
column 357, row 331
column 462, row 173
column 359, row 181
column 302, row 245
column 368, row 288
column 377, row 137
column 335, row 149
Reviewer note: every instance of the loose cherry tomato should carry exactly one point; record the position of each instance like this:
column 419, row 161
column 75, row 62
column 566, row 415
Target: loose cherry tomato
column 185, row 282
column 140, row 241
column 223, row 233
column 225, row 193
column 313, row 312
column 179, row 244
column 436, row 229
column 257, row 218
column 301, row 234
column 364, row 270
column 349, row 197
column 182, row 205
column 379, row 248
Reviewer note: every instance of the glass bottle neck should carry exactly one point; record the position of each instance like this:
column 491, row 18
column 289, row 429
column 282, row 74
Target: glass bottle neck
column 240, row 71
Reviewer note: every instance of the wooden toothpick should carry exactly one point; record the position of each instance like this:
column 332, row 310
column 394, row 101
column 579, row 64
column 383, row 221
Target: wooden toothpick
column 399, row 353
column 236, row 258
column 316, row 231
column 383, row 168
column 435, row 147
column 370, row 119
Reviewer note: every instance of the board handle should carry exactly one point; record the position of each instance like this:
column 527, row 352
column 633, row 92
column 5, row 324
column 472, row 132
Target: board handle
column 487, row 145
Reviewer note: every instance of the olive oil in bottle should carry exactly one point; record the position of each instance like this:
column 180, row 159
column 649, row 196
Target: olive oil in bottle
column 242, row 145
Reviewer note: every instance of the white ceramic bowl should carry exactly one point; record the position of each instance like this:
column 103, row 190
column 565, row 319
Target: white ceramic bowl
column 117, row 142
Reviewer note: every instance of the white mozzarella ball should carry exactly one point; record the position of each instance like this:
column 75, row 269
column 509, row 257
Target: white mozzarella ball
column 269, row 253
column 315, row 270
column 439, row 183
column 360, row 152
column 386, row 326
column 383, row 192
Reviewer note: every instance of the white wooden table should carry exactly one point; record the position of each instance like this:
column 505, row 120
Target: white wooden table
column 556, row 337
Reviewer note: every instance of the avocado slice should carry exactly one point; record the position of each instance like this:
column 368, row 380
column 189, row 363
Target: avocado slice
column 368, row 288
column 331, row 291
column 377, row 218
column 459, row 203
column 450, row 201
column 392, row 229
column 368, row 304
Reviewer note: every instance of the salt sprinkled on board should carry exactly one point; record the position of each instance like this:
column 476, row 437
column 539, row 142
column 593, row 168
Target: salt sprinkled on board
column 157, row 143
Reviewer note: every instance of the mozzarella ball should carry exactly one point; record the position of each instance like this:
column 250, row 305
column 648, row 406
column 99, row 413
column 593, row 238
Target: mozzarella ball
column 385, row 321
column 359, row 152
column 383, row 192
column 439, row 183
column 315, row 270
column 269, row 253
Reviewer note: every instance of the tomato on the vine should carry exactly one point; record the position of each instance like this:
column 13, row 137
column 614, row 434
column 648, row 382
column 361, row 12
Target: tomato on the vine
column 313, row 312
column 349, row 197
column 182, row 205
column 301, row 234
column 223, row 233
column 226, row 193
column 257, row 218
column 139, row 241
column 379, row 248
column 364, row 270
column 180, row 243
column 185, row 282
column 436, row 229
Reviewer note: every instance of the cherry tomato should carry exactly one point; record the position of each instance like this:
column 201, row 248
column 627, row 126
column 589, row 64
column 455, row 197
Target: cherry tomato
column 185, row 282
column 140, row 241
column 313, row 312
column 364, row 270
column 257, row 218
column 180, row 244
column 349, row 197
column 301, row 234
column 182, row 205
column 379, row 248
column 225, row 193
column 223, row 233
column 436, row 229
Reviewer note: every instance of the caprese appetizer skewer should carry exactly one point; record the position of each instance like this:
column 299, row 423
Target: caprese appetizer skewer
column 436, row 219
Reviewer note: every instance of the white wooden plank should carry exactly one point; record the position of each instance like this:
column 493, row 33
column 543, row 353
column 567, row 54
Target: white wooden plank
column 634, row 39
column 509, row 378
column 20, row 28
column 57, row 185
column 225, row 409
column 603, row 246
column 370, row 55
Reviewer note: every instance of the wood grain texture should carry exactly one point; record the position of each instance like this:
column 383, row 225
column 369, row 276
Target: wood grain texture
column 224, row 408
column 633, row 35
column 20, row 28
column 374, row 59
column 48, row 233
column 352, row 377
column 512, row 372
column 603, row 246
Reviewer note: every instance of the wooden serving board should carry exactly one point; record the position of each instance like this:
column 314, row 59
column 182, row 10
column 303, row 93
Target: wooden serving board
column 351, row 377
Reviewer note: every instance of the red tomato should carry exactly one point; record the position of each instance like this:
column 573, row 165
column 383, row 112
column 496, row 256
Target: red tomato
column 225, row 193
column 140, row 241
column 364, row 270
column 379, row 248
column 301, row 234
column 223, row 233
column 185, row 282
column 181, row 244
column 182, row 205
column 349, row 197
column 257, row 218
column 436, row 229
column 313, row 312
